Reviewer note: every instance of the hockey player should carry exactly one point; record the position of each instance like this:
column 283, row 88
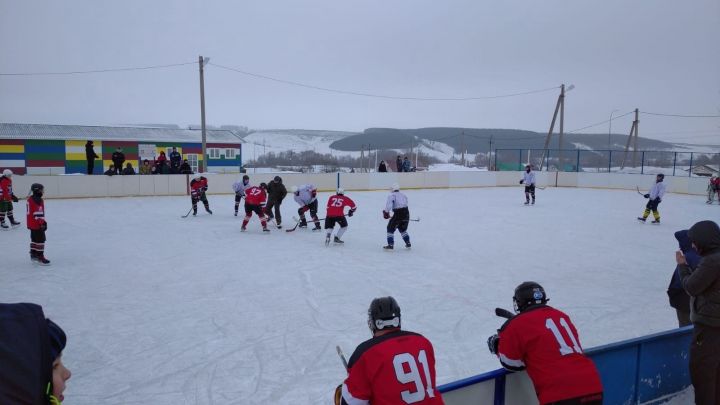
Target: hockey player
column 336, row 214
column 397, row 203
column 198, row 187
column 394, row 367
column 306, row 197
column 529, row 181
column 36, row 224
column 239, row 188
column 544, row 341
column 713, row 188
column 255, row 198
column 276, row 194
column 655, row 195
column 6, row 199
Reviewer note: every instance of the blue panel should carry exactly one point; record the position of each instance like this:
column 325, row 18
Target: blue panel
column 664, row 367
column 618, row 370
column 224, row 162
column 35, row 148
column 12, row 156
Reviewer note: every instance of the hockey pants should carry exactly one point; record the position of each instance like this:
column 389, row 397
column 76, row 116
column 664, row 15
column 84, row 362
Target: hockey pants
column 652, row 205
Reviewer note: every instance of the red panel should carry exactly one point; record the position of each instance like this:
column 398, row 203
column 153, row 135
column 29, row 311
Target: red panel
column 45, row 163
column 12, row 142
column 17, row 170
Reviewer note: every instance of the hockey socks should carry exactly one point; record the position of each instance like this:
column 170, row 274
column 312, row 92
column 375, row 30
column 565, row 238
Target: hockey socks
column 340, row 232
column 390, row 240
column 37, row 253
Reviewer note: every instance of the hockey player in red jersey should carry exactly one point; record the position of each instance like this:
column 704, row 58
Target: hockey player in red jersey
column 36, row 224
column 255, row 198
column 198, row 187
column 6, row 199
column 336, row 215
column 395, row 367
column 544, row 341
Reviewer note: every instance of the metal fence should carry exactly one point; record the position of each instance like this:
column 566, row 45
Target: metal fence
column 605, row 161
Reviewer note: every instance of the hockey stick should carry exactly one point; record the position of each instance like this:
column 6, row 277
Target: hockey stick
column 638, row 190
column 188, row 213
column 504, row 313
column 342, row 356
column 297, row 222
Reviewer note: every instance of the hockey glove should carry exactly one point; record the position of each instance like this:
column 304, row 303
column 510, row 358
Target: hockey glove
column 15, row 199
column 522, row 181
column 646, row 195
column 658, row 200
column 493, row 342
column 351, row 212
column 43, row 226
column 386, row 215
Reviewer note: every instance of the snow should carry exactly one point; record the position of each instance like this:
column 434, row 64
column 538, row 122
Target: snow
column 451, row 167
column 164, row 310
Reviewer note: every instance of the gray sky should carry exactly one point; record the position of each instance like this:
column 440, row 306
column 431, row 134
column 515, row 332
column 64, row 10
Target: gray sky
column 657, row 55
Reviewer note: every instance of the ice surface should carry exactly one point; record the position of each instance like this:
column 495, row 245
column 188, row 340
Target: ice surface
column 164, row 310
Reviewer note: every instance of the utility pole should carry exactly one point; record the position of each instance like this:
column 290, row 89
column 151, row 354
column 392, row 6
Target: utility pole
column 633, row 132
column 559, row 106
column 562, row 122
column 490, row 153
column 462, row 148
column 201, row 62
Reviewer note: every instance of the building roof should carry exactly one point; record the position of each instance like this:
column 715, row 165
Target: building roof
column 82, row 132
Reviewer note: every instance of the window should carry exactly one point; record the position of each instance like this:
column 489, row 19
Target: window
column 229, row 153
column 192, row 159
column 213, row 153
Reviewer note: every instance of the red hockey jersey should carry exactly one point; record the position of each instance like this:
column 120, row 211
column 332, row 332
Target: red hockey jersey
column 255, row 196
column 5, row 188
column 336, row 205
column 35, row 213
column 393, row 369
column 544, row 340
column 197, row 186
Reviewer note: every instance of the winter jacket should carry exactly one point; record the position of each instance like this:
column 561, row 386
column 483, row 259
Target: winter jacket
column 276, row 191
column 703, row 284
column 679, row 299
column 24, row 355
column 185, row 169
column 175, row 159
column 382, row 168
column 118, row 158
column 399, row 164
column 128, row 171
column 145, row 169
column 406, row 165
column 90, row 152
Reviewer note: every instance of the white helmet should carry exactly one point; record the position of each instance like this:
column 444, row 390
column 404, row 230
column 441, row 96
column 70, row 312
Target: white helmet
column 294, row 189
column 340, row 191
column 395, row 187
column 7, row 173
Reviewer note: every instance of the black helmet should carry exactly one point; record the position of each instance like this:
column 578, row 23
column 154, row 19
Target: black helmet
column 661, row 176
column 529, row 294
column 384, row 312
column 37, row 188
column 246, row 177
column 263, row 186
column 277, row 179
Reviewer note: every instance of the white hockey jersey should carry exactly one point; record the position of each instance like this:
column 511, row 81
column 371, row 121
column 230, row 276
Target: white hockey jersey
column 529, row 178
column 239, row 187
column 306, row 194
column 657, row 190
column 396, row 200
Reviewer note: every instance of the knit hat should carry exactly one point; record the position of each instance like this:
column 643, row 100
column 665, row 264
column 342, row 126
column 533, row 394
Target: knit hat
column 57, row 339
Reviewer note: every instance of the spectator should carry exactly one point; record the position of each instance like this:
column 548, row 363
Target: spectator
column 174, row 169
column 165, row 169
column 185, row 168
column 175, row 159
column 118, row 158
column 90, row 155
column 382, row 168
column 276, row 194
column 406, row 167
column 703, row 286
column 110, row 171
column 530, row 340
column 399, row 164
column 679, row 299
column 31, row 348
column 146, row 168
column 128, row 170
column 161, row 162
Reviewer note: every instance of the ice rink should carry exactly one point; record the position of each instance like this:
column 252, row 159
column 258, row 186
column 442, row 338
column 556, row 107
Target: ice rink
column 164, row 310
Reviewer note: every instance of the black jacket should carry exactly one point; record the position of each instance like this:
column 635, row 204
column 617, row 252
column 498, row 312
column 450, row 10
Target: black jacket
column 679, row 299
column 703, row 284
column 128, row 171
column 185, row 169
column 90, row 152
column 382, row 168
column 276, row 191
column 25, row 363
column 118, row 158
column 175, row 159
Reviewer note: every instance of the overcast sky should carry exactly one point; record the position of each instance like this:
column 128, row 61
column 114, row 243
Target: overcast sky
column 660, row 56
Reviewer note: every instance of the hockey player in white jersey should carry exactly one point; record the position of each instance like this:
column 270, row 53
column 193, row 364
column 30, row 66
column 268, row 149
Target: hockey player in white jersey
column 529, row 181
column 306, row 197
column 397, row 203
column 655, row 196
column 239, row 187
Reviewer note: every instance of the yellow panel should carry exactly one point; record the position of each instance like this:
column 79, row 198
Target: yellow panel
column 12, row 148
column 75, row 156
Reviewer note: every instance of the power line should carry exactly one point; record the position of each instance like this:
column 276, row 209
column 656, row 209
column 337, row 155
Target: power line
column 600, row 123
column 680, row 115
column 355, row 93
column 79, row 72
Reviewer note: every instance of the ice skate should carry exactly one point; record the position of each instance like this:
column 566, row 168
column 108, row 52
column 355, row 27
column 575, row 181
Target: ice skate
column 4, row 226
column 265, row 229
column 656, row 221
column 243, row 229
column 317, row 228
column 327, row 240
column 408, row 245
column 14, row 224
column 641, row 219
column 388, row 247
column 338, row 240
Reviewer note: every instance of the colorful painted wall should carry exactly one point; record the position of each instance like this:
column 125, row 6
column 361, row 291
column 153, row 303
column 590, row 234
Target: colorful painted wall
column 68, row 156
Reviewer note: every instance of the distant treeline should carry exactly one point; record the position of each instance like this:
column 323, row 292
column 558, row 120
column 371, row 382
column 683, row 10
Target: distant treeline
column 331, row 163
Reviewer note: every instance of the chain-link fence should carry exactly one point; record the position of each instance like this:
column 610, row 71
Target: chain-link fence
column 613, row 161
